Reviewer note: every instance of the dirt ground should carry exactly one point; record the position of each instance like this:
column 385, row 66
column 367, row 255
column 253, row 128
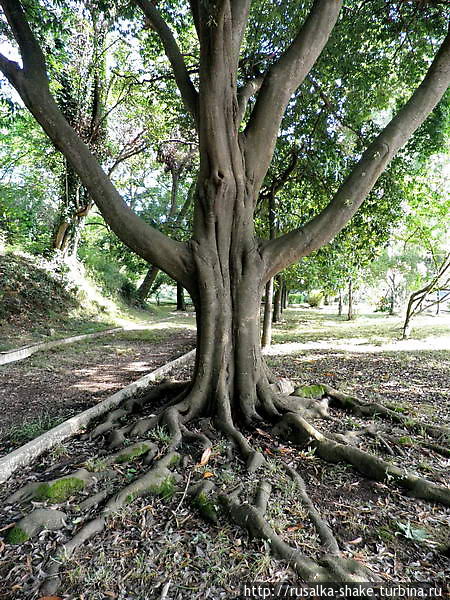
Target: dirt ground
column 160, row 548
column 52, row 386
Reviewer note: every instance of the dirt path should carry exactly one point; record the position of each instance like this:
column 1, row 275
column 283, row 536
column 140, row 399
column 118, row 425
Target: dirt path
column 49, row 387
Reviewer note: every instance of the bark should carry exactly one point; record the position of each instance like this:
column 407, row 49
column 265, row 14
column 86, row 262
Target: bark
column 266, row 338
column 340, row 303
column 225, row 266
column 285, row 295
column 148, row 281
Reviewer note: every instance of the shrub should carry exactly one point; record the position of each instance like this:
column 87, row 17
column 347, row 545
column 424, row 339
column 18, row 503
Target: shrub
column 315, row 298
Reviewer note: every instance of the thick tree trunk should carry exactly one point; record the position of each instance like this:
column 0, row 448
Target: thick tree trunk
column 278, row 300
column 181, row 303
column 148, row 281
column 230, row 378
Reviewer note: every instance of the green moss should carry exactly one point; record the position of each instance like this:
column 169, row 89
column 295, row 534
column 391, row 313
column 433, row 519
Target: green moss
column 205, row 507
column 165, row 489
column 406, row 440
column 60, row 490
column 17, row 535
column 310, row 391
column 385, row 533
column 399, row 408
column 134, row 453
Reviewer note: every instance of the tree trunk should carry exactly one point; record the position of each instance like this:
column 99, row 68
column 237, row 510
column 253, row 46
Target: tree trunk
column 350, row 314
column 266, row 337
column 148, row 281
column 285, row 295
column 278, row 301
column 340, row 303
column 181, row 303
column 392, row 299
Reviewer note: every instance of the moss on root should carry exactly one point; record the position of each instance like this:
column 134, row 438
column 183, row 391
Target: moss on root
column 314, row 392
column 58, row 491
column 17, row 535
column 205, row 507
column 165, row 489
column 135, row 452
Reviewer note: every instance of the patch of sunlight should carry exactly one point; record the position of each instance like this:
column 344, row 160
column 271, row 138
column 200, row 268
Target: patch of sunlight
column 355, row 345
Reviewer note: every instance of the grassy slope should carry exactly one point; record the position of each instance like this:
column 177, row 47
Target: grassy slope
column 41, row 301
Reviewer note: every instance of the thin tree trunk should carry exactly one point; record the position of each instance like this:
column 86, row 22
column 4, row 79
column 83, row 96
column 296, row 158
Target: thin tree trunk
column 266, row 338
column 350, row 314
column 285, row 295
column 392, row 300
column 181, row 303
column 340, row 303
column 146, row 285
column 277, row 300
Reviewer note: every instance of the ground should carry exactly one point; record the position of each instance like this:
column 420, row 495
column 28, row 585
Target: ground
column 159, row 547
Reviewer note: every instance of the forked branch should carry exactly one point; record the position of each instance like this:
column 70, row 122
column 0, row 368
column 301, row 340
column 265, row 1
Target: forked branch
column 287, row 249
column 188, row 92
column 281, row 81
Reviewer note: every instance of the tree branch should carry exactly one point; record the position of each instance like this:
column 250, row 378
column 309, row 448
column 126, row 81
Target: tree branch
column 32, row 56
column 245, row 93
column 188, row 92
column 10, row 69
column 239, row 14
column 173, row 257
column 281, row 81
column 319, row 231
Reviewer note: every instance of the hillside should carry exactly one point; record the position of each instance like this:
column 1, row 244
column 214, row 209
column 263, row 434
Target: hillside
column 41, row 299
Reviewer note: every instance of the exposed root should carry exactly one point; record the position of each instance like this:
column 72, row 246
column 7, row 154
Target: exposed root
column 253, row 458
column 251, row 518
column 155, row 481
column 109, row 422
column 161, row 479
column 298, row 430
column 323, row 529
column 375, row 409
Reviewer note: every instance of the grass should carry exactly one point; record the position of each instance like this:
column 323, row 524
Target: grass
column 21, row 434
column 312, row 325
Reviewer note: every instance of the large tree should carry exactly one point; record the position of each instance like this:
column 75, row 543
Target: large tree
column 225, row 266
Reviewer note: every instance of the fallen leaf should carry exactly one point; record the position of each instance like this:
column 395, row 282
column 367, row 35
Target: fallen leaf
column 50, row 598
column 282, row 450
column 356, row 541
column 295, row 527
column 267, row 451
column 207, row 474
column 205, row 457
